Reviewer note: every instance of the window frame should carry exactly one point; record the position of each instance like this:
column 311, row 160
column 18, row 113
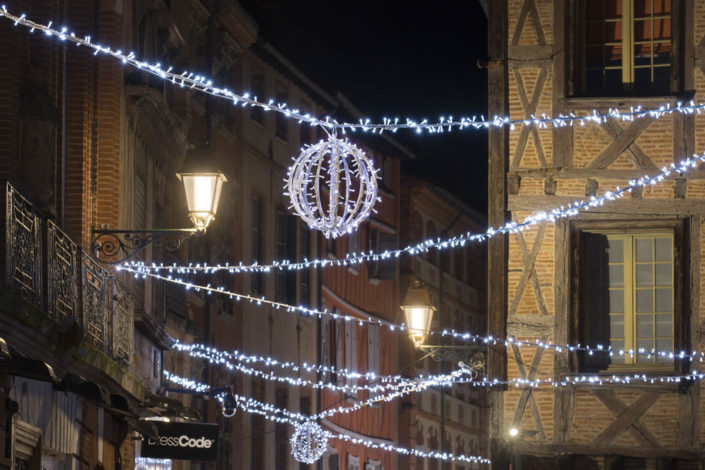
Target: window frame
column 379, row 240
column 257, row 90
column 576, row 68
column 681, row 319
column 257, row 241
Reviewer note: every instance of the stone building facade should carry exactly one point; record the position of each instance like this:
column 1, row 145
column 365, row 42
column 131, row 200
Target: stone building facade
column 628, row 274
column 428, row 211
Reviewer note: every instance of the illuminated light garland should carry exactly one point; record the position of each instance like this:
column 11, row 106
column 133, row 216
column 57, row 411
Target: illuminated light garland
column 272, row 413
column 562, row 212
column 204, row 84
column 309, row 442
column 462, row 336
column 271, row 362
column 217, row 355
column 418, row 386
column 442, row 380
column 278, row 415
column 234, row 361
column 573, row 209
column 332, row 186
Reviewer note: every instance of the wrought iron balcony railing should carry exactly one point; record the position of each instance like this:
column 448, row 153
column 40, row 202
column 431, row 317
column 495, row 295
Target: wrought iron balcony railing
column 48, row 269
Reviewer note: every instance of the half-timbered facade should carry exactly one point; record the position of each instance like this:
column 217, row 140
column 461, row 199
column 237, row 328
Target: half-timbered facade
column 627, row 274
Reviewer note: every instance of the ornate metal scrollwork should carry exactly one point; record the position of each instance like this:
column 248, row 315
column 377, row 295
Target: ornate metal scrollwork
column 123, row 305
column 472, row 357
column 95, row 288
column 23, row 250
column 115, row 246
column 62, row 265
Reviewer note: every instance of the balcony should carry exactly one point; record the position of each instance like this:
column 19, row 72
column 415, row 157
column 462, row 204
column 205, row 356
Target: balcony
column 59, row 304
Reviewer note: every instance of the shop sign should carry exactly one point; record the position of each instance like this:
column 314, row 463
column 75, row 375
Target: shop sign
column 182, row 441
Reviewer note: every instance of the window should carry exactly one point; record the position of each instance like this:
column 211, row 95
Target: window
column 354, row 241
column 387, row 174
column 373, row 465
column 286, row 249
column 257, row 430
column 327, row 344
column 338, row 332
column 373, row 352
column 330, row 248
column 353, row 462
column 627, row 295
column 281, row 433
column 351, row 350
column 304, row 128
column 257, row 85
column 379, row 242
column 256, row 278
column 624, row 46
column 281, row 122
column 304, row 250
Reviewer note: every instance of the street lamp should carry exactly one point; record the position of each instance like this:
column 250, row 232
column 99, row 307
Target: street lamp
column 419, row 313
column 202, row 182
column 202, row 185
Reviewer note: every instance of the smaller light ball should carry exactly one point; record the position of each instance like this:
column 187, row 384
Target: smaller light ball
column 309, row 442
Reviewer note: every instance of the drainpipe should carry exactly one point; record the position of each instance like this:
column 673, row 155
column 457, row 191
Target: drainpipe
column 441, row 311
column 64, row 106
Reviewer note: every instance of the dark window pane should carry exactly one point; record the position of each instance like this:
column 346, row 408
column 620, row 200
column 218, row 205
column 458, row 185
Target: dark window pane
column 642, row 75
column 595, row 32
column 594, row 56
column 594, row 10
column 662, row 55
column 613, row 79
column 662, row 78
column 594, row 300
column 613, row 31
column 594, row 80
column 642, row 8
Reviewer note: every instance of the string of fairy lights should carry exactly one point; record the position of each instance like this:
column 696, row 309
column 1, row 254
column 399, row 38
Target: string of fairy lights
column 280, row 415
column 462, row 375
column 488, row 340
column 201, row 83
column 299, row 420
column 308, row 440
column 551, row 215
column 237, row 361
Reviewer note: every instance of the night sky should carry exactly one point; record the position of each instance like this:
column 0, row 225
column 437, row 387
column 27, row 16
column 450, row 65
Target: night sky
column 397, row 59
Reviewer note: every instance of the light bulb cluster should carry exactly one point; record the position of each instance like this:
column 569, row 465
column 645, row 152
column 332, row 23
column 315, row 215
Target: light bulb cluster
column 332, row 186
column 565, row 211
column 236, row 361
column 204, row 84
column 308, row 442
column 279, row 415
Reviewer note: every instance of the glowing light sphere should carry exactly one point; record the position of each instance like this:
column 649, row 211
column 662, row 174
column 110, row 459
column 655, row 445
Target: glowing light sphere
column 309, row 442
column 332, row 186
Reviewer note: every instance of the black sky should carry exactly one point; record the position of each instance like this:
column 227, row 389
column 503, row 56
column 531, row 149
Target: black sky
column 396, row 58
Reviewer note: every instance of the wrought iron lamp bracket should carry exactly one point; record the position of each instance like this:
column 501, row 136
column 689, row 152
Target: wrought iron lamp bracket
column 116, row 246
column 473, row 357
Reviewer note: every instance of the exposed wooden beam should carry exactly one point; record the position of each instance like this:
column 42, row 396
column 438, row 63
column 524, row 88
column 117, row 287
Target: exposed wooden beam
column 621, row 143
column 497, row 247
column 627, row 417
column 537, row 448
column 613, row 209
